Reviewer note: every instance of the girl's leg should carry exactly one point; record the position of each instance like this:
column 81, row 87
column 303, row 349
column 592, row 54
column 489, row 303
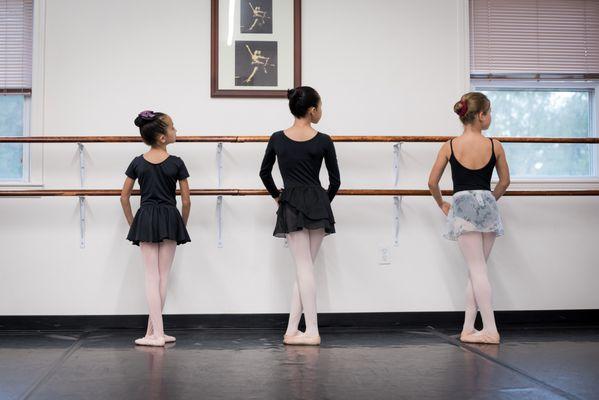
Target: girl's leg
column 295, row 314
column 316, row 236
column 471, row 245
column 488, row 242
column 166, row 255
column 471, row 309
column 149, row 253
column 299, row 244
column 471, row 306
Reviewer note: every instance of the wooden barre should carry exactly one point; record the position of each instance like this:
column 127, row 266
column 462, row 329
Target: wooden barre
column 263, row 192
column 253, row 139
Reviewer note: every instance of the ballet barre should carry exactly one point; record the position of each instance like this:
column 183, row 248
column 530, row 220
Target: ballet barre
column 397, row 193
column 254, row 139
column 263, row 192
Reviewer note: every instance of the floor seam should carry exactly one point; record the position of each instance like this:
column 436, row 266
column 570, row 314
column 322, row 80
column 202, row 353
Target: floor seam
column 54, row 367
column 504, row 364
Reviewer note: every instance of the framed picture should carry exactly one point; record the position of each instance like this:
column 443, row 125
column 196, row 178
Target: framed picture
column 255, row 48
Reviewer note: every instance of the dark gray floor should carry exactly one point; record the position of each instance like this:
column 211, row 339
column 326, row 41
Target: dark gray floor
column 254, row 364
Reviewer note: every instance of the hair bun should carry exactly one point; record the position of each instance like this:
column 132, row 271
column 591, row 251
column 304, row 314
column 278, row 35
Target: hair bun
column 139, row 122
column 144, row 117
column 301, row 99
column 461, row 107
column 470, row 105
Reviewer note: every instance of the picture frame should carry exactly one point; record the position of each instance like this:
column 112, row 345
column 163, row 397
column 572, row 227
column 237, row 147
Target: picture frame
column 255, row 48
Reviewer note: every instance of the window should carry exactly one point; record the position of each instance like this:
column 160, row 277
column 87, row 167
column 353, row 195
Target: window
column 13, row 156
column 534, row 110
column 538, row 62
column 16, row 37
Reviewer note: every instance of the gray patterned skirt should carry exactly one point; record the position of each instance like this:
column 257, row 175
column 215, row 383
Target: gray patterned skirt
column 473, row 211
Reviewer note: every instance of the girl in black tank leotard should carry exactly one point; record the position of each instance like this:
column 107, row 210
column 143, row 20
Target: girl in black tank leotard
column 474, row 207
column 473, row 219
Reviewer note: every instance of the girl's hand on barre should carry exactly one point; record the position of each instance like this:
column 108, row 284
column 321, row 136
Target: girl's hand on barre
column 445, row 207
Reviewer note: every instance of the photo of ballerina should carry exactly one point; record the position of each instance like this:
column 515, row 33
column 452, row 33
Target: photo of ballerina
column 256, row 16
column 255, row 63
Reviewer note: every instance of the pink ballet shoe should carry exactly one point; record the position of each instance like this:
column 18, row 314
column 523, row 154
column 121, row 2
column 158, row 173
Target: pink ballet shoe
column 287, row 337
column 301, row 340
column 149, row 341
column 481, row 338
column 463, row 335
column 169, row 339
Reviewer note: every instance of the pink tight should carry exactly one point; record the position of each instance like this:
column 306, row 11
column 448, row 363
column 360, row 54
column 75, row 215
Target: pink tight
column 476, row 247
column 158, row 259
column 304, row 246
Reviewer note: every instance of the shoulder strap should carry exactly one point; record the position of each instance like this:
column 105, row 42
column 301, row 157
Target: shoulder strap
column 451, row 145
column 492, row 147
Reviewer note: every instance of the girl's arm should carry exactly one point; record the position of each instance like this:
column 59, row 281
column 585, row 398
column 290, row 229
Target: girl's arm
column 185, row 200
column 503, row 171
column 435, row 177
column 330, row 160
column 266, row 170
column 125, row 196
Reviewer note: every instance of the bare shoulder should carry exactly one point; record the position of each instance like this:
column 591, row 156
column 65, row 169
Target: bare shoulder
column 498, row 146
column 446, row 149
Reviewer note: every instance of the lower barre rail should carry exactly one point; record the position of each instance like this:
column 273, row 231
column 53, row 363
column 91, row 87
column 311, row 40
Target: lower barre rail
column 397, row 194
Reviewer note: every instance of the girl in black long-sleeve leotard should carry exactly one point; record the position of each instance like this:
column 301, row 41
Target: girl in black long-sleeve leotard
column 304, row 215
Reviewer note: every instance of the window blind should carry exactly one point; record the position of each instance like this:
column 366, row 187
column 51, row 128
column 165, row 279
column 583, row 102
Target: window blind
column 16, row 45
column 536, row 38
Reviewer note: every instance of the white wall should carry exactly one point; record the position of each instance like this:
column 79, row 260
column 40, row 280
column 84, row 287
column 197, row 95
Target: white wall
column 106, row 60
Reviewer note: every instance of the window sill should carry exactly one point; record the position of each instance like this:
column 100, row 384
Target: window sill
column 20, row 185
column 553, row 184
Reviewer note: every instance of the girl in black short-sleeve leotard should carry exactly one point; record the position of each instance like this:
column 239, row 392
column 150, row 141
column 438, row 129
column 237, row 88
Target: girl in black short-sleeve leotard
column 157, row 227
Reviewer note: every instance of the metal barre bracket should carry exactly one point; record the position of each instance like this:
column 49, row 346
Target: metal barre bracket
column 219, row 199
column 81, row 149
column 396, row 199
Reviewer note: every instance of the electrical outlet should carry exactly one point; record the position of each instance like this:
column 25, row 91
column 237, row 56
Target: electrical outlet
column 384, row 255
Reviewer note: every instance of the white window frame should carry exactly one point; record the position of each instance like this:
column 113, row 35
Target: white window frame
column 574, row 183
column 33, row 109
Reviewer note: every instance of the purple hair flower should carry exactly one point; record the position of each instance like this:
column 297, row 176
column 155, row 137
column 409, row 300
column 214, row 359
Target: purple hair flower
column 147, row 115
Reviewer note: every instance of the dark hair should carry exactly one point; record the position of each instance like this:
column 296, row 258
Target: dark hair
column 151, row 124
column 470, row 105
column 301, row 99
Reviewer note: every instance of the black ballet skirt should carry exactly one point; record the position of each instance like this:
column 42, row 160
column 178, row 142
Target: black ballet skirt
column 155, row 223
column 158, row 218
column 303, row 203
column 304, row 207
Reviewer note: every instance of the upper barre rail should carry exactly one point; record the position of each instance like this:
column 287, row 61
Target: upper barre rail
column 252, row 139
column 263, row 192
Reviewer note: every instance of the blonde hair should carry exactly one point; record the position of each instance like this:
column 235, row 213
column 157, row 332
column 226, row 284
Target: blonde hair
column 470, row 105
